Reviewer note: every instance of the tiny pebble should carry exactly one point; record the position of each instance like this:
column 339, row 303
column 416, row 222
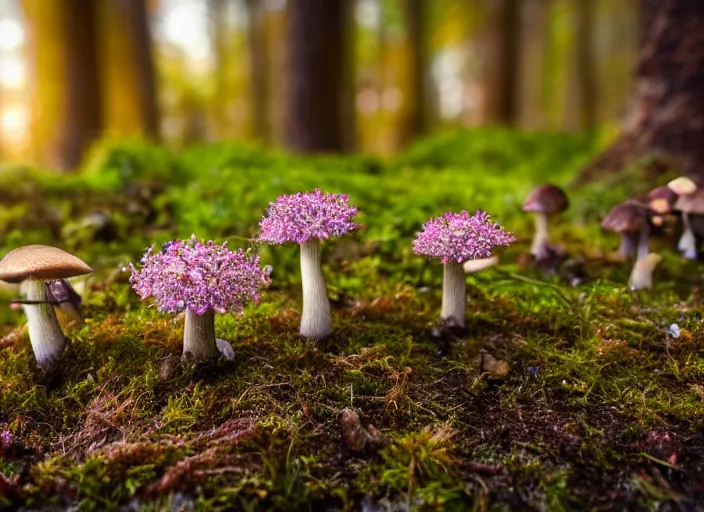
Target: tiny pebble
column 674, row 331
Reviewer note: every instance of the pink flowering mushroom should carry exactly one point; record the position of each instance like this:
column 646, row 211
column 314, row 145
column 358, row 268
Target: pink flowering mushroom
column 455, row 238
column 203, row 279
column 306, row 218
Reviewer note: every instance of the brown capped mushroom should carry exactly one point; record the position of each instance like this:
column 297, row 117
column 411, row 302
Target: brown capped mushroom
column 544, row 201
column 630, row 220
column 690, row 201
column 35, row 265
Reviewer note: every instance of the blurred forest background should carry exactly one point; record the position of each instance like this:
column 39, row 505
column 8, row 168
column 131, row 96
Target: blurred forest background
column 184, row 71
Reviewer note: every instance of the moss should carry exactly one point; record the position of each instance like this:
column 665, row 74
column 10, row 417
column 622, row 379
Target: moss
column 594, row 375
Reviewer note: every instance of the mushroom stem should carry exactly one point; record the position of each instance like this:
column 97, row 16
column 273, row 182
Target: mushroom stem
column 642, row 250
column 540, row 238
column 45, row 332
column 199, row 335
column 454, row 293
column 642, row 273
column 687, row 243
column 316, row 320
column 628, row 244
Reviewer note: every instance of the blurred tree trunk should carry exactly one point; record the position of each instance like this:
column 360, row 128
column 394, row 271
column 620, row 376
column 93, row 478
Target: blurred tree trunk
column 82, row 121
column 534, row 41
column 585, row 66
column 416, row 18
column 667, row 114
column 259, row 83
column 131, row 63
column 218, row 29
column 67, row 114
column 316, row 54
column 501, row 61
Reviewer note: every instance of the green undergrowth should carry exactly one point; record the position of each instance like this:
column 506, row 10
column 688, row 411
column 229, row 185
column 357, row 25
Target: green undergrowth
column 602, row 403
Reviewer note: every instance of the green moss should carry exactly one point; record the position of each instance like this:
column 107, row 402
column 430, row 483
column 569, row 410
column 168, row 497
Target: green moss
column 593, row 369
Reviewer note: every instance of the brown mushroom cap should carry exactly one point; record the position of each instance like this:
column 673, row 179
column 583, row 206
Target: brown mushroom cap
column 662, row 199
column 630, row 216
column 549, row 199
column 40, row 262
column 691, row 203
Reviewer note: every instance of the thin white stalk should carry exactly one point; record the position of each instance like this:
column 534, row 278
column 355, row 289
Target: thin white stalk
column 688, row 243
column 628, row 244
column 454, row 293
column 642, row 274
column 316, row 321
column 540, row 238
column 199, row 335
column 45, row 332
column 643, row 251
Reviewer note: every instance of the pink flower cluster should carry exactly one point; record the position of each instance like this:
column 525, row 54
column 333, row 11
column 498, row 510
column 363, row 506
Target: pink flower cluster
column 199, row 276
column 460, row 237
column 305, row 215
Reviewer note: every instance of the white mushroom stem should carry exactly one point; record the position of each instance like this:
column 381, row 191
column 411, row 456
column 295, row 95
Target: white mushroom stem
column 688, row 243
column 45, row 332
column 199, row 335
column 454, row 293
column 628, row 244
column 540, row 238
column 316, row 321
column 643, row 250
column 642, row 273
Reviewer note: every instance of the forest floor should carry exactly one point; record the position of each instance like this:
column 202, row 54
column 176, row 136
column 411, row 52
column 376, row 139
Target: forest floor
column 599, row 406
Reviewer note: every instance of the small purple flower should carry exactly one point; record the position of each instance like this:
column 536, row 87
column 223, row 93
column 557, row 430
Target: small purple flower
column 305, row 215
column 460, row 237
column 200, row 277
column 6, row 438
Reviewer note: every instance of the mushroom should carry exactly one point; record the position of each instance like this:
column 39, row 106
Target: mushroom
column 544, row 201
column 690, row 201
column 630, row 220
column 203, row 279
column 35, row 265
column 306, row 218
column 455, row 238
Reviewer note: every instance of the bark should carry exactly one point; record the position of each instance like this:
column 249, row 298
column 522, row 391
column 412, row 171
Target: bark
column 314, row 111
column 534, row 42
column 667, row 115
column 257, row 45
column 501, row 62
column 585, row 69
column 416, row 12
column 138, row 38
column 82, row 120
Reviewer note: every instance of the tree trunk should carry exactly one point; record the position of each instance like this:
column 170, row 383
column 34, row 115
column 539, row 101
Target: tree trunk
column 136, row 63
column 501, row 61
column 314, row 111
column 259, row 83
column 667, row 115
column 585, row 69
column 533, row 62
column 416, row 12
column 82, row 119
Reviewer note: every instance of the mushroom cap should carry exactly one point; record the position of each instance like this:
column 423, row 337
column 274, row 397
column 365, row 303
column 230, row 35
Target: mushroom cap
column 307, row 215
column 691, row 203
column 662, row 199
column 547, row 198
column 40, row 262
column 682, row 186
column 631, row 216
column 460, row 237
